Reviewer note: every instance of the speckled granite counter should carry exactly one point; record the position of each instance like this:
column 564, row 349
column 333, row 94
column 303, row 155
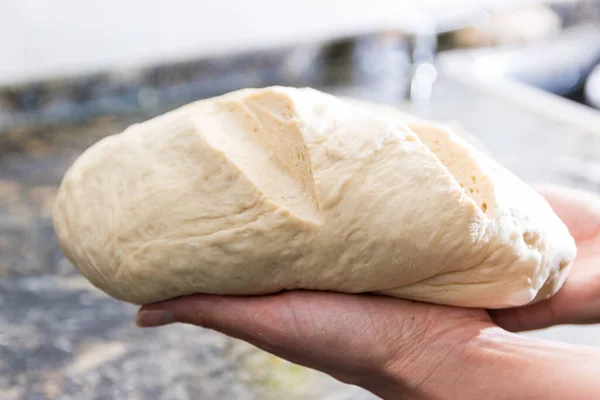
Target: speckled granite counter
column 62, row 339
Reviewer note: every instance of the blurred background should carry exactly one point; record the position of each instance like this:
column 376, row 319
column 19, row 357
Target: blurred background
column 523, row 77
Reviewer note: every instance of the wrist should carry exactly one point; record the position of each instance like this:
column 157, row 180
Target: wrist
column 531, row 368
column 494, row 365
column 438, row 368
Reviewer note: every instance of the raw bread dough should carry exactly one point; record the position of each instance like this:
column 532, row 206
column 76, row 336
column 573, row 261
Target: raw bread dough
column 263, row 190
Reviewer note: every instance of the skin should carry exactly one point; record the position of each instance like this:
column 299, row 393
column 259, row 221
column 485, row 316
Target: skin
column 405, row 349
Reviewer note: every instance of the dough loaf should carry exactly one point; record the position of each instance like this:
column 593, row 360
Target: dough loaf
column 264, row 190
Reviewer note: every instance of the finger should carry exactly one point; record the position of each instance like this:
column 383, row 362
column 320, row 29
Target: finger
column 577, row 302
column 247, row 318
column 579, row 210
column 537, row 316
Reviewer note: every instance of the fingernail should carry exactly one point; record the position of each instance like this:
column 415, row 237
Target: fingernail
column 151, row 318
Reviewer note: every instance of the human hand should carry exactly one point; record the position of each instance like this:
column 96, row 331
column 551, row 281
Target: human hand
column 578, row 301
column 366, row 340
column 404, row 349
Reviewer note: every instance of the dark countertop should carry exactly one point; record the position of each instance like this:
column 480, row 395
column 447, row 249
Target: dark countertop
column 61, row 338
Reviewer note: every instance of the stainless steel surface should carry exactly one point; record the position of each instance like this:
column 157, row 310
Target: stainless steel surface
column 592, row 88
column 559, row 66
column 577, row 12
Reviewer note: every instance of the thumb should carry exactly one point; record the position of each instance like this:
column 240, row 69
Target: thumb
column 579, row 210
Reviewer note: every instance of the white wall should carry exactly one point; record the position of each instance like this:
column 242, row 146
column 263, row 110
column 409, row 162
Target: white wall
column 41, row 38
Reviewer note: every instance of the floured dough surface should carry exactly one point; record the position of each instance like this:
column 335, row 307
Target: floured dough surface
column 263, row 190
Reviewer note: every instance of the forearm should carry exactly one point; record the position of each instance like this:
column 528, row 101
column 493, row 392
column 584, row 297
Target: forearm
column 510, row 366
column 500, row 365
